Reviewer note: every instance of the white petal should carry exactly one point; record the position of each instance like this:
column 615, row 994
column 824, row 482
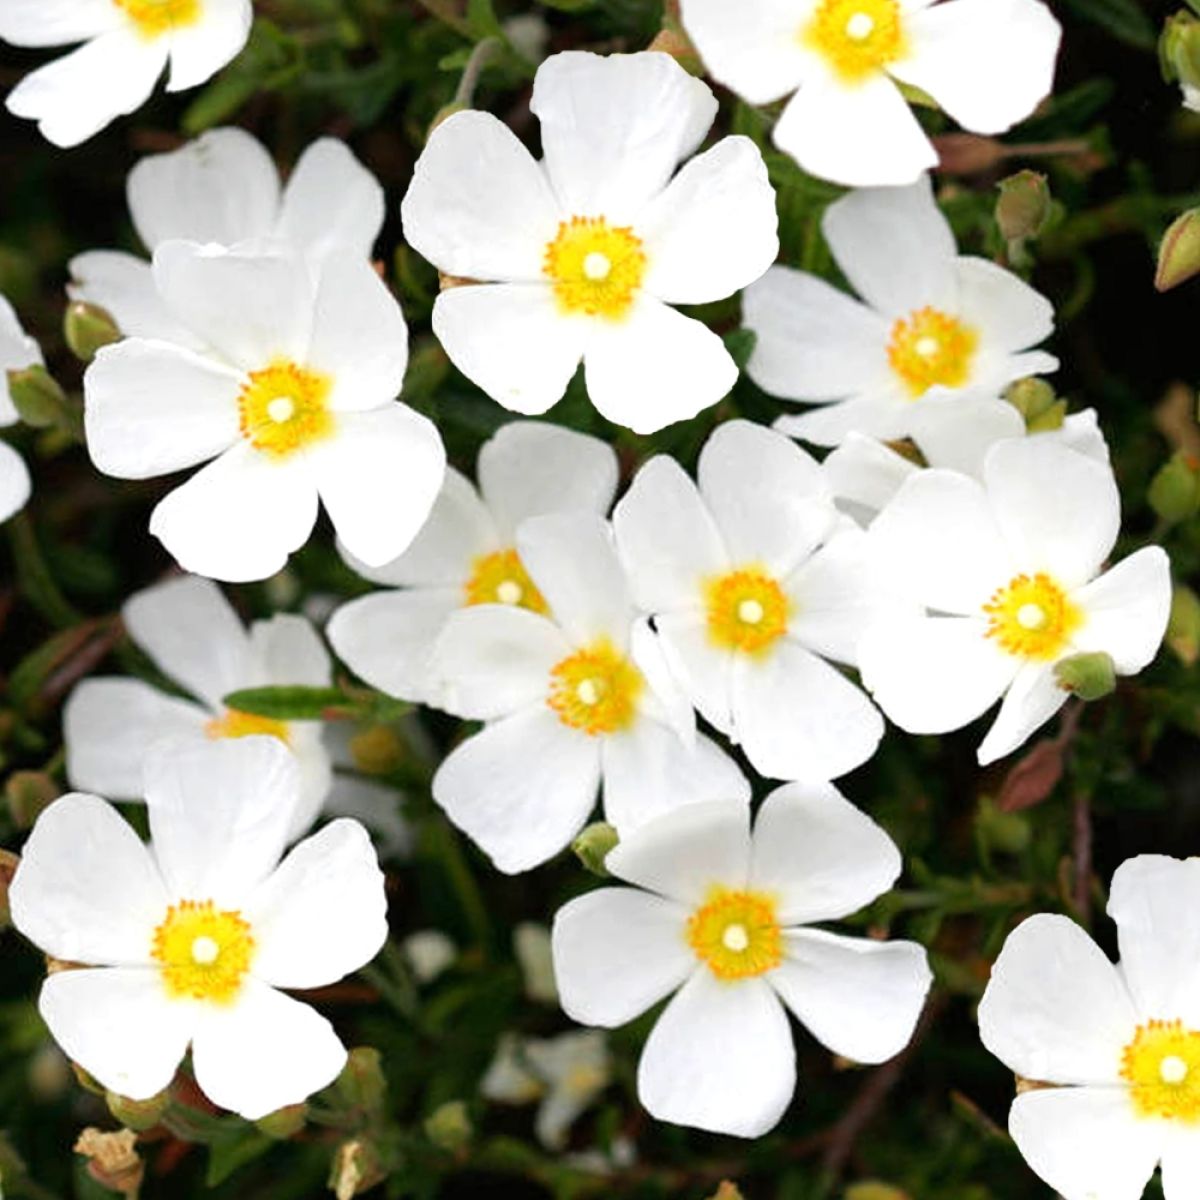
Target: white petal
column 684, row 853
column 649, row 770
column 1060, row 511
column 1008, row 313
column 119, row 1025
column 15, row 484
column 522, row 788
column 815, row 343
column 865, row 474
column 886, row 416
column 1033, row 697
column 332, row 204
column 617, row 951
column 895, row 247
column 263, row 1052
column 86, row 889
column 1081, row 431
column 1056, row 1010
column 378, row 478
column 219, row 815
column 202, row 49
column 1127, row 610
column 934, row 674
column 108, row 725
column 291, row 651
column 194, row 636
column 74, row 97
column 57, row 22
column 860, row 136
column 614, row 128
column 956, row 433
column 492, row 659
column 306, row 740
column 511, row 341
column 238, row 518
column 859, row 998
column 1153, row 902
column 988, row 63
column 704, row 670
column 714, row 229
column 322, row 912
column 479, row 206
column 655, row 367
column 529, row 468
column 664, row 700
column 720, row 1058
column 221, row 187
column 152, row 408
column 667, row 538
column 1086, row 1143
column 798, row 717
column 124, row 287
column 768, row 497
column 821, row 857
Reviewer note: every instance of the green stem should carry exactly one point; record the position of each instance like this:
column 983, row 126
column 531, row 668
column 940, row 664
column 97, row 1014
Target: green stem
column 446, row 847
column 34, row 576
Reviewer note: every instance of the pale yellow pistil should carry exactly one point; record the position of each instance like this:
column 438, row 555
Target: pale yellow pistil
column 596, row 690
column 596, row 268
column 929, row 348
column 857, row 38
column 1032, row 617
column 501, row 578
column 153, row 18
column 285, row 407
column 1162, row 1068
column 747, row 611
column 203, row 952
column 736, row 934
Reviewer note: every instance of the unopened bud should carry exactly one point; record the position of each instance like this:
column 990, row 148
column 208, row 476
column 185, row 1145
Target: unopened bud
column 727, row 1191
column 38, row 399
column 113, row 1160
column 283, row 1123
column 1088, row 676
column 1183, row 629
column 594, row 845
column 361, row 1084
column 449, row 1126
column 874, row 1191
column 1024, row 206
column 1007, row 832
column 1049, row 420
column 356, row 1168
column 138, row 1115
column 377, row 750
column 29, row 794
column 88, row 328
column 8, row 869
column 1179, row 50
column 1175, row 491
column 1032, row 397
column 1179, row 254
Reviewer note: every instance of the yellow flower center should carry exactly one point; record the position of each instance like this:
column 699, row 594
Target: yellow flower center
column 501, row 578
column 857, row 38
column 1162, row 1067
column 205, row 952
column 156, row 17
column 596, row 689
column 236, row 724
column 736, row 933
column 1032, row 617
column 747, row 611
column 285, row 407
column 596, row 268
column 928, row 349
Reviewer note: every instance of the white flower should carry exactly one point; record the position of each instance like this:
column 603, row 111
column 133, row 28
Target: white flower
column 987, row 63
column 865, row 474
column 1120, row 1045
column 1009, row 570
column 293, row 396
column 723, row 920
column 579, row 256
column 224, row 188
column 466, row 552
column 187, row 941
column 17, row 351
column 754, row 582
column 572, row 702
column 933, row 325
column 192, row 634
column 128, row 45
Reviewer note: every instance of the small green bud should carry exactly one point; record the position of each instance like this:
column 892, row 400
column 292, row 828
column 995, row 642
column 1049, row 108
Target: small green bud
column 1179, row 50
column 283, row 1123
column 1088, row 676
column 88, row 328
column 361, row 1084
column 138, row 1115
column 28, row 794
column 1183, row 629
column 874, row 1191
column 449, row 1126
column 1179, row 254
column 37, row 397
column 1050, row 420
column 377, row 750
column 1024, row 206
column 1175, row 491
column 594, row 845
column 8, row 869
column 1032, row 397
column 1007, row 832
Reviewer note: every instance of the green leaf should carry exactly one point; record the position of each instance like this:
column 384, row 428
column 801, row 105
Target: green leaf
column 228, row 1153
column 740, row 343
column 288, row 703
column 1126, row 20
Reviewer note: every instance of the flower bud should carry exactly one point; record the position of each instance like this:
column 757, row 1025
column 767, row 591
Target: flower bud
column 449, row 1126
column 1175, row 491
column 38, row 399
column 113, row 1160
column 361, row 1084
column 8, row 869
column 727, row 1191
column 283, row 1123
column 1032, row 397
column 356, row 1168
column 88, row 328
column 594, row 845
column 874, row 1191
column 138, row 1115
column 1088, row 676
column 1024, row 206
column 28, row 794
column 1007, row 832
column 1179, row 254
column 1179, row 50
column 377, row 750
column 1183, row 629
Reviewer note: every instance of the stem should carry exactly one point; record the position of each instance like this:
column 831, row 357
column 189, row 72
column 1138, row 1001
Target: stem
column 483, row 53
column 34, row 576
column 446, row 847
column 1083, row 856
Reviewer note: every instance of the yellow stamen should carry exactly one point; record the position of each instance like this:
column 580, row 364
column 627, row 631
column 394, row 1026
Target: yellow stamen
column 153, row 18
column 737, row 934
column 596, row 689
column 236, row 724
column 596, row 268
column 857, row 38
column 205, row 952
column 284, row 407
column 747, row 611
column 1032, row 617
column 501, row 578
column 1162, row 1067
column 928, row 349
